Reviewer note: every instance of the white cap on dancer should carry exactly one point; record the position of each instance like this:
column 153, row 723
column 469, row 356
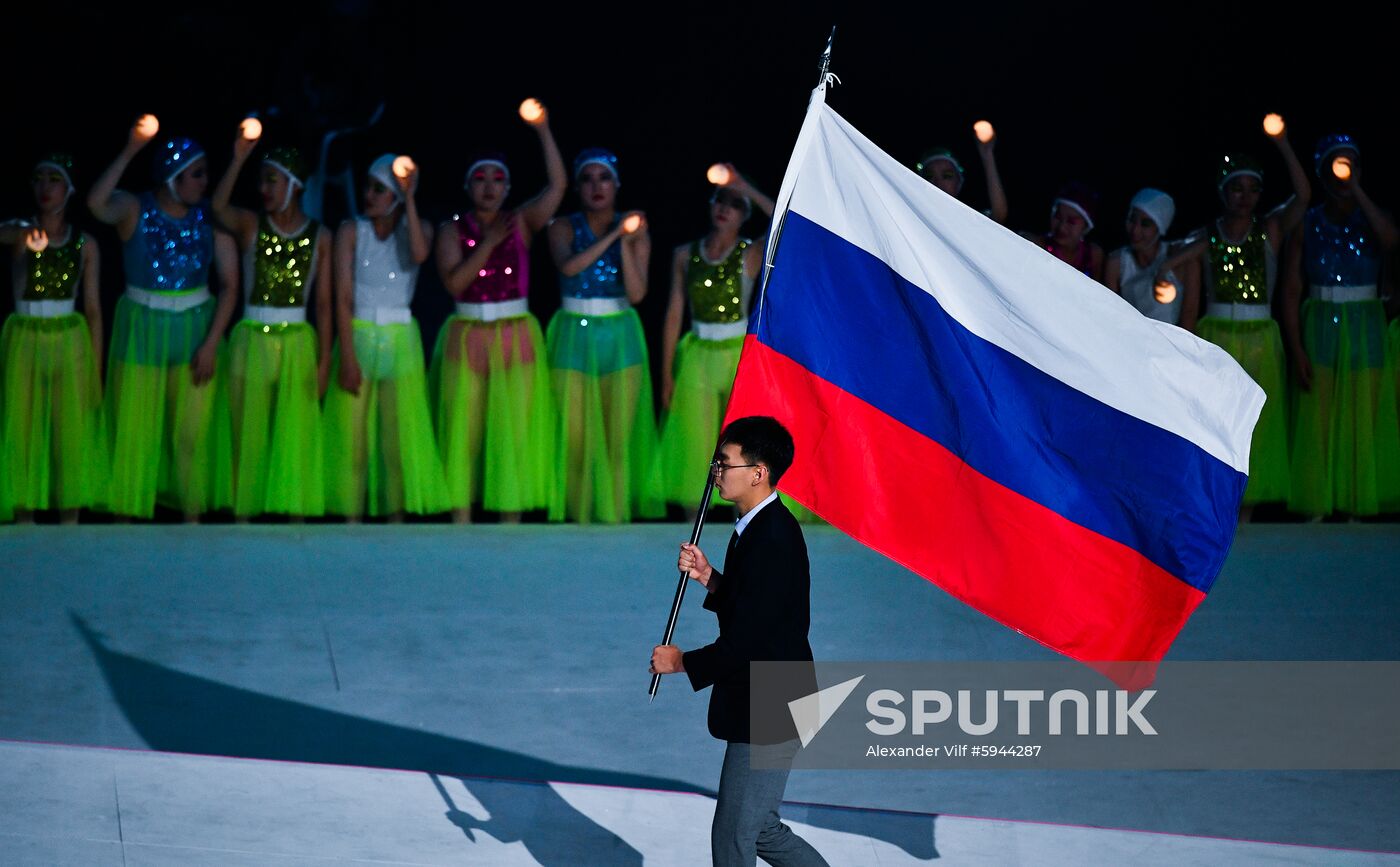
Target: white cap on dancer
column 1157, row 205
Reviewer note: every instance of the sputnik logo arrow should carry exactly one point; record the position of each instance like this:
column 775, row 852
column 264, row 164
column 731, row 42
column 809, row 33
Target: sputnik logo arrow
column 811, row 712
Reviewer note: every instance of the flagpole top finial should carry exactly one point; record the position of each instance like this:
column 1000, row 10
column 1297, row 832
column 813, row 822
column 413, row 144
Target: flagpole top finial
column 825, row 65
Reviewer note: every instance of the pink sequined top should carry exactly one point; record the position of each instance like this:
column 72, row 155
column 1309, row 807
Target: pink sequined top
column 507, row 273
column 1083, row 260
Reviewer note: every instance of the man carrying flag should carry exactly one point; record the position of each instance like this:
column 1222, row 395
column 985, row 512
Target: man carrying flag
column 762, row 602
column 978, row 411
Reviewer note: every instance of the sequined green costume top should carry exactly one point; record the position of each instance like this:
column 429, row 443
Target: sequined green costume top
column 52, row 274
column 1243, row 272
column 281, row 266
column 716, row 288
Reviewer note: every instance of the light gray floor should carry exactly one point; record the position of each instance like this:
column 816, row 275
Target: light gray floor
column 520, row 652
column 143, row 809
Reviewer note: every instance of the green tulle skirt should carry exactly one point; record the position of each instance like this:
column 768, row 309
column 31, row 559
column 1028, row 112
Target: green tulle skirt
column 496, row 427
column 381, row 455
column 278, row 454
column 1394, row 343
column 7, row 512
column 1257, row 347
column 607, row 429
column 169, row 439
column 704, row 371
column 1346, row 438
column 53, row 449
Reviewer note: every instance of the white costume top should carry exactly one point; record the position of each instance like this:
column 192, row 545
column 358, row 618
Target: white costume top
column 1138, row 286
column 385, row 273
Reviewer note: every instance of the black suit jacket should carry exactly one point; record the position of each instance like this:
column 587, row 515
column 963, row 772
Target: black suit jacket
column 762, row 600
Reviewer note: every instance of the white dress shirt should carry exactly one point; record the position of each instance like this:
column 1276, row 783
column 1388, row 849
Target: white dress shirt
column 743, row 522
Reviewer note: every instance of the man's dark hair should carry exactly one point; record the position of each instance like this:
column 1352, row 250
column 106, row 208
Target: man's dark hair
column 762, row 440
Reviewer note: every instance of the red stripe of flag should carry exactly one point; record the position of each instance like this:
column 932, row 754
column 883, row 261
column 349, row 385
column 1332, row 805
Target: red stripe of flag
column 917, row 503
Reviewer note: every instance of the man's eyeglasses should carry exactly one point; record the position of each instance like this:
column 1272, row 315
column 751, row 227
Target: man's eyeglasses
column 718, row 467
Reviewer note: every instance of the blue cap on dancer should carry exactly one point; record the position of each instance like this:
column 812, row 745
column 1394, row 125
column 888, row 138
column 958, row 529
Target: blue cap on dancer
column 596, row 156
column 1329, row 145
column 174, row 156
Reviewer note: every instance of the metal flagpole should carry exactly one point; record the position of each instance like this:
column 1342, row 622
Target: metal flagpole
column 825, row 75
column 680, row 587
column 826, row 57
column 775, row 230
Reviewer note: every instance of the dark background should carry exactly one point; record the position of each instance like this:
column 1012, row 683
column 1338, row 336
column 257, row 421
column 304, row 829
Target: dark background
column 1119, row 95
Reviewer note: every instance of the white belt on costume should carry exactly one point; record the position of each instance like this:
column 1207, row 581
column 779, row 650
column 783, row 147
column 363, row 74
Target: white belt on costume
column 275, row 315
column 721, row 330
column 1239, row 312
column 596, row 306
column 384, row 315
column 47, row 309
column 173, row 302
column 1344, row 294
column 491, row 311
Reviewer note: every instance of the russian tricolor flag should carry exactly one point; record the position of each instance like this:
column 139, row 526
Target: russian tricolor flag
column 987, row 416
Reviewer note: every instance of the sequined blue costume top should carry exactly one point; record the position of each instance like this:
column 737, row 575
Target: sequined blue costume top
column 601, row 279
column 1339, row 254
column 169, row 255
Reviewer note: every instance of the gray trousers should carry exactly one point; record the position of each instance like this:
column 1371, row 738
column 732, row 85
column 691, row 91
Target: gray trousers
column 746, row 822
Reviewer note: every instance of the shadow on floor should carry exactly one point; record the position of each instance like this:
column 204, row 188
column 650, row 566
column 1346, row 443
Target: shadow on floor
column 182, row 713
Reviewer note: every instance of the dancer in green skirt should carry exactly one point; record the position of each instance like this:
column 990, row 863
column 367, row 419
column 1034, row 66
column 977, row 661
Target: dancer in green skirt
column 381, row 455
column 278, row 362
column 496, row 425
column 1238, row 257
column 602, row 381
column 714, row 277
column 1346, row 437
column 53, row 453
column 166, row 408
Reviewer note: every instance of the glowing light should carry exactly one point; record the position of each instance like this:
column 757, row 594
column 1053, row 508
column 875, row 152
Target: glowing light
column 532, row 111
column 718, row 174
column 147, row 126
column 984, row 131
